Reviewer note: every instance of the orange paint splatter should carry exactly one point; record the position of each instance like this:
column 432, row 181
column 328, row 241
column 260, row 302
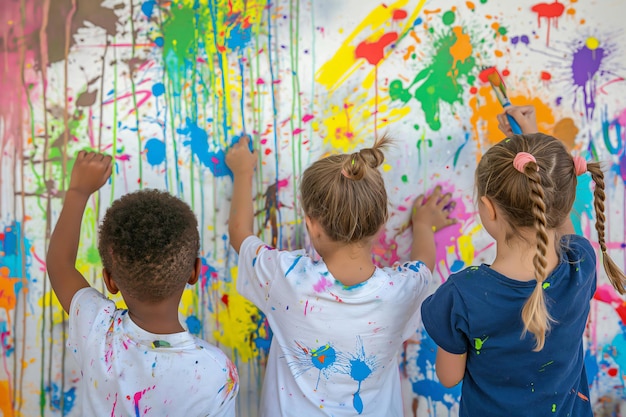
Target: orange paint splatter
column 485, row 107
column 462, row 48
column 6, row 405
column 409, row 52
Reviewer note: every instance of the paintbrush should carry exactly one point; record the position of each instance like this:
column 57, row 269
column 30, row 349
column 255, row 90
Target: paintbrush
column 498, row 87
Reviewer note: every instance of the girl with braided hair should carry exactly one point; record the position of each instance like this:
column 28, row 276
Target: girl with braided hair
column 512, row 331
column 338, row 323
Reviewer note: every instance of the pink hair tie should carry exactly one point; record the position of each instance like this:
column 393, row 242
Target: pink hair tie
column 580, row 165
column 521, row 159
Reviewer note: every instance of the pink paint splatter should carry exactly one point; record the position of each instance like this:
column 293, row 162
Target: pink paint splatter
column 322, row 285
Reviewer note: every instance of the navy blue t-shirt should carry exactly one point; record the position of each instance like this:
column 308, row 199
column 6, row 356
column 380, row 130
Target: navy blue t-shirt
column 478, row 311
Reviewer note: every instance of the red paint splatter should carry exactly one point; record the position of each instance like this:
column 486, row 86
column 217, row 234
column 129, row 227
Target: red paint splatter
column 506, row 72
column 485, row 73
column 612, row 372
column 225, row 299
column 546, row 76
column 268, row 151
column 374, row 52
column 307, row 117
column 297, row 131
column 473, row 90
column 551, row 11
column 399, row 14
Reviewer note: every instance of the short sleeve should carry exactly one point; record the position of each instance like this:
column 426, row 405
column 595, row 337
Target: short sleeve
column 421, row 276
column 445, row 319
column 89, row 310
column 259, row 265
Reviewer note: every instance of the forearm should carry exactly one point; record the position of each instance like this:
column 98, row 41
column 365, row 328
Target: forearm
column 423, row 248
column 241, row 218
column 66, row 235
column 63, row 248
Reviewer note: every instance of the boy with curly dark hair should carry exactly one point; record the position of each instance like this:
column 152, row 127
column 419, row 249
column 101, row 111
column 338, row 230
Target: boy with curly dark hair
column 138, row 360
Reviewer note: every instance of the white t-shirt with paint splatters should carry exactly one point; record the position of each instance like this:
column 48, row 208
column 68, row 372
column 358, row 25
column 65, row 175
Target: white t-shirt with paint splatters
column 127, row 371
column 335, row 349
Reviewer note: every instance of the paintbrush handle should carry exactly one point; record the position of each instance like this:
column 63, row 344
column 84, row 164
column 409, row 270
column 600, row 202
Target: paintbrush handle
column 514, row 125
column 515, row 128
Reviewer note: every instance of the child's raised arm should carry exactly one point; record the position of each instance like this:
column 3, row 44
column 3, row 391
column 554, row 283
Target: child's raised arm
column 242, row 163
column 91, row 171
column 429, row 215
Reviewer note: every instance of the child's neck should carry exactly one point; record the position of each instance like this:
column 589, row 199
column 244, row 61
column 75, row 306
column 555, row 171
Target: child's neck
column 350, row 264
column 157, row 318
column 514, row 258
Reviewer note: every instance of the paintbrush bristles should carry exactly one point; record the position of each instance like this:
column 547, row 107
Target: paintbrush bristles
column 498, row 87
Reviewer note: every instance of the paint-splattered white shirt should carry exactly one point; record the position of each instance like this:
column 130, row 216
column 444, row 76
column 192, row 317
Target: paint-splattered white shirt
column 127, row 371
column 335, row 349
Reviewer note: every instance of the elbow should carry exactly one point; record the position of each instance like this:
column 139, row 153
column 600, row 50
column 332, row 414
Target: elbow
column 448, row 381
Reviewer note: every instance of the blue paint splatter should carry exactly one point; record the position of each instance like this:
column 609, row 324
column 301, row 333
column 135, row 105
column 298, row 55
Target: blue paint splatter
column 361, row 367
column 155, row 151
column 194, row 325
column 293, row 265
column 68, row 398
column 158, row 89
column 147, row 8
column 199, row 144
column 239, row 37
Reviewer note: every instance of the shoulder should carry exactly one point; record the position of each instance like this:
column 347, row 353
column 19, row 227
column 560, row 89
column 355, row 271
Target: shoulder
column 578, row 249
column 211, row 351
column 89, row 301
column 458, row 285
column 412, row 273
column 257, row 253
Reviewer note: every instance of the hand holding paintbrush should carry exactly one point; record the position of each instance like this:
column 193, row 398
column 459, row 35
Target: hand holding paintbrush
column 524, row 116
column 494, row 78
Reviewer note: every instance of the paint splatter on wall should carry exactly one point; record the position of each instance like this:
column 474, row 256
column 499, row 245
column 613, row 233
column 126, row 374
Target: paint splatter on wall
column 166, row 87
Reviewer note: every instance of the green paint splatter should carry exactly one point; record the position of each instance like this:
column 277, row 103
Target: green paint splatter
column 448, row 18
column 398, row 92
column 405, row 179
column 502, row 30
column 546, row 285
column 554, row 408
column 545, row 365
column 93, row 257
column 483, row 1
column 478, row 344
column 440, row 81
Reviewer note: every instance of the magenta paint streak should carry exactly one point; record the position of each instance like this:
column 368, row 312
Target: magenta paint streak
column 17, row 34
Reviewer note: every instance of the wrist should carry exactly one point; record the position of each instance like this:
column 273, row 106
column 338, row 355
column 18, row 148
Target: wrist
column 421, row 229
column 74, row 192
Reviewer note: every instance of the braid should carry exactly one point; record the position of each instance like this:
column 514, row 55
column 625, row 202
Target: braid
column 616, row 276
column 535, row 312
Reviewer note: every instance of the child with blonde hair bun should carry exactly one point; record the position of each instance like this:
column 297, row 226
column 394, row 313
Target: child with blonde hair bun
column 339, row 322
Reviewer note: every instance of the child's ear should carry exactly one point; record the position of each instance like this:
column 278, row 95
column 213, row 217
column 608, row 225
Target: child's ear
column 109, row 282
column 491, row 208
column 195, row 274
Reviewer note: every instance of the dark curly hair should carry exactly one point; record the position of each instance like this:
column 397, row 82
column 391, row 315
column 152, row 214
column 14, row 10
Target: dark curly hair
column 148, row 242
